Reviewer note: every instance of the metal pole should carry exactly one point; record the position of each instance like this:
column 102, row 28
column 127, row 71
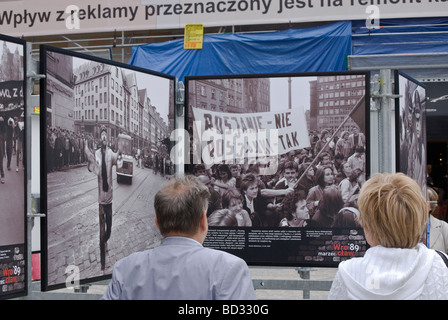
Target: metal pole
column 28, row 113
column 305, row 275
column 32, row 201
column 387, row 123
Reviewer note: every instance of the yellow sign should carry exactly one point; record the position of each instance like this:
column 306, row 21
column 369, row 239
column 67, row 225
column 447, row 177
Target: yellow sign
column 194, row 34
column 36, row 109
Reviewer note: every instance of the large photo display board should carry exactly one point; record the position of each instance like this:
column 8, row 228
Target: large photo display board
column 410, row 120
column 284, row 157
column 13, row 239
column 105, row 149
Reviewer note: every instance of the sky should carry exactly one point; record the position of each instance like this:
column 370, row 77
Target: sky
column 12, row 47
column 158, row 90
column 300, row 92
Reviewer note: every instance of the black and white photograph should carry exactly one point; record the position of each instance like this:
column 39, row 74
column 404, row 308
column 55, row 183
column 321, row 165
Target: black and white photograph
column 106, row 129
column 411, row 126
column 284, row 157
column 13, row 237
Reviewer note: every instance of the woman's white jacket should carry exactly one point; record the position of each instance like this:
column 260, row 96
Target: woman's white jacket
column 392, row 273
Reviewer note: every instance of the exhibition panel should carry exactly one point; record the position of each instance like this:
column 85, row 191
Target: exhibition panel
column 284, row 156
column 410, row 125
column 104, row 153
column 13, row 228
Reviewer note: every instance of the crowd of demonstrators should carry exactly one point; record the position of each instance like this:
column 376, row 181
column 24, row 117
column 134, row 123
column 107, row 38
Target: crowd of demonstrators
column 65, row 148
column 160, row 164
column 313, row 187
column 11, row 142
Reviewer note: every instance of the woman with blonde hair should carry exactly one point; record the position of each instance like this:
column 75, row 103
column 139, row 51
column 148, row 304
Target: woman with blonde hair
column 393, row 214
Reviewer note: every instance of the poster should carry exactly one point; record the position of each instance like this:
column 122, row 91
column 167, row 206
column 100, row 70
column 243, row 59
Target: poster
column 193, row 36
column 13, row 270
column 13, row 239
column 284, row 157
column 105, row 152
column 411, row 128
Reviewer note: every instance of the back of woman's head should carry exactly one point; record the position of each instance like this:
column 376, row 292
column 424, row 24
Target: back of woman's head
column 393, row 209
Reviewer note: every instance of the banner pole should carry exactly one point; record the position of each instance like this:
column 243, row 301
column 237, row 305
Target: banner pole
column 358, row 104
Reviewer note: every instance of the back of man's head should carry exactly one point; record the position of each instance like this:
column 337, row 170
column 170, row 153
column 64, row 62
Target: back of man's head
column 180, row 204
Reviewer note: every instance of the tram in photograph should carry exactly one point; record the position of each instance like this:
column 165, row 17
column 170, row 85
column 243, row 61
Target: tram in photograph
column 126, row 171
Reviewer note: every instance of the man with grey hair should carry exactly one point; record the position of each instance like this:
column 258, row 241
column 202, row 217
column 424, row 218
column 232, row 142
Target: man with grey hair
column 181, row 268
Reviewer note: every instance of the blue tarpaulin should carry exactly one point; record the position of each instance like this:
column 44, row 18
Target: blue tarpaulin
column 314, row 49
column 401, row 36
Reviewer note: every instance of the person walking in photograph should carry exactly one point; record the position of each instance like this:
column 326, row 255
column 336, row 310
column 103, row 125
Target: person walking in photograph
column 101, row 163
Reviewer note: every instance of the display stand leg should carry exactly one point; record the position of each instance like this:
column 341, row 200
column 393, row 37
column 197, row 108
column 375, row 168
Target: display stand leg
column 83, row 288
column 305, row 274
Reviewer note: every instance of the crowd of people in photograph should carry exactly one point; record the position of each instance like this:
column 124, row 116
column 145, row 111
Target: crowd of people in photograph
column 65, row 149
column 313, row 187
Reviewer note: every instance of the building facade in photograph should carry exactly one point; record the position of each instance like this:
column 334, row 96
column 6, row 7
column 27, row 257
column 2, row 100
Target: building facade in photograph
column 59, row 94
column 230, row 95
column 11, row 66
column 107, row 95
column 332, row 98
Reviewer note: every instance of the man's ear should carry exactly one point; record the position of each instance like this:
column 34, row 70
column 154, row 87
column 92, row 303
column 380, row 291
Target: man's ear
column 204, row 221
column 157, row 222
column 203, row 228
